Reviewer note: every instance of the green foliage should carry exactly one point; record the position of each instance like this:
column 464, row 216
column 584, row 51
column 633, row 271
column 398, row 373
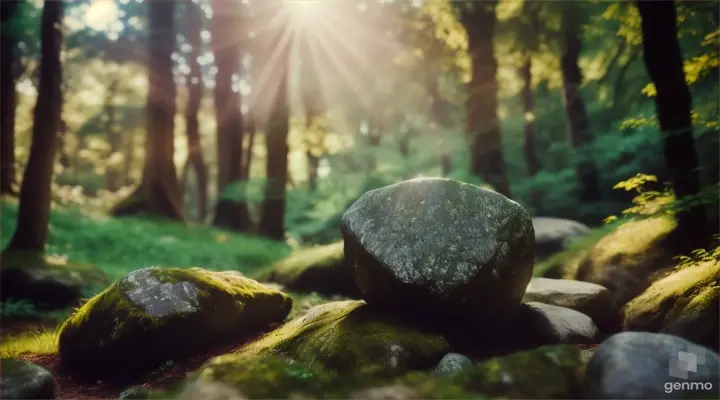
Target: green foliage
column 21, row 308
column 699, row 256
column 119, row 246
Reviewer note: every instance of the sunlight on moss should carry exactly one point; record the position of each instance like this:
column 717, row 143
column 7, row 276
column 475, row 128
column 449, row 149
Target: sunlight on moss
column 44, row 342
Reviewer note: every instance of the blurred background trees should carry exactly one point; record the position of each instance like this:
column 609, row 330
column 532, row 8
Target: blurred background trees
column 270, row 117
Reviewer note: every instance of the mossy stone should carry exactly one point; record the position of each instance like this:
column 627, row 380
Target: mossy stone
column 21, row 379
column 159, row 314
column 348, row 337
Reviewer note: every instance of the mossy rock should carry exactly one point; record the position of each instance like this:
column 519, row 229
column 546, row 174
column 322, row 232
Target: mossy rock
column 348, row 337
column 48, row 282
column 626, row 260
column 24, row 380
column 318, row 269
column 159, row 314
column 684, row 303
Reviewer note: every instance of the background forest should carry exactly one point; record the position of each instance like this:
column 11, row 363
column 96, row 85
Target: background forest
column 272, row 118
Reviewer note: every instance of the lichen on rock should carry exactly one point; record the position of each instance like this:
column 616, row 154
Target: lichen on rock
column 159, row 314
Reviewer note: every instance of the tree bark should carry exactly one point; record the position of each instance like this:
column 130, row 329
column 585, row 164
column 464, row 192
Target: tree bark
column 483, row 124
column 34, row 210
column 195, row 89
column 251, row 129
column 664, row 62
column 532, row 161
column 8, row 100
column 314, row 105
column 159, row 193
column 576, row 118
column 272, row 221
column 112, row 173
column 230, row 214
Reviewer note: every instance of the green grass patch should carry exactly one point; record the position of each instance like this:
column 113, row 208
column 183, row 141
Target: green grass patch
column 121, row 245
column 43, row 342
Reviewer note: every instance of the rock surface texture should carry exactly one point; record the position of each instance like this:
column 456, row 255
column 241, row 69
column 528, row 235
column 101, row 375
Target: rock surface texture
column 440, row 250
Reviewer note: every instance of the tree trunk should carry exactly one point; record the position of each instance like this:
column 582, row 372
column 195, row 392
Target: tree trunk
column 313, row 161
column 664, row 63
column 159, row 192
column 272, row 221
column 576, row 118
column 532, row 161
column 195, row 89
column 34, row 210
column 112, row 172
column 8, row 100
column 128, row 159
column 230, row 214
column 251, row 129
column 483, row 124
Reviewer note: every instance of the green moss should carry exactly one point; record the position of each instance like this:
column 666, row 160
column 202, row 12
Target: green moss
column 111, row 327
column 348, row 336
column 687, row 293
column 44, row 342
column 298, row 261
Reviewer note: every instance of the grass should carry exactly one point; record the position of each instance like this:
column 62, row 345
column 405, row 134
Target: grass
column 43, row 342
column 121, row 245
column 290, row 267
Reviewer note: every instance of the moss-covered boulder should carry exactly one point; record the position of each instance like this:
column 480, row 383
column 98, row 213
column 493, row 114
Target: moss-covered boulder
column 48, row 282
column 318, row 269
column 20, row 379
column 588, row 298
column 628, row 259
column 346, row 337
column 440, row 250
column 685, row 303
column 155, row 314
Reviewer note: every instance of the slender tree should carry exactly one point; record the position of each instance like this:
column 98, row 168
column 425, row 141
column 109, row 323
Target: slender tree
column 576, row 117
column 483, row 124
column 34, row 210
column 532, row 161
column 159, row 191
column 313, row 104
column 196, row 88
column 226, row 45
column 8, row 96
column 664, row 62
column 272, row 221
column 112, row 172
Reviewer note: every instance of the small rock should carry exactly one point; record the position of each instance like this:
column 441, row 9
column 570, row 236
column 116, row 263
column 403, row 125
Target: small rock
column 24, row 380
column 644, row 365
column 590, row 299
column 541, row 324
column 453, row 364
column 170, row 313
column 553, row 235
column 440, row 250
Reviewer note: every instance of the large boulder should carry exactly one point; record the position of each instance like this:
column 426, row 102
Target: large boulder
column 553, row 235
column 643, row 365
column 345, row 337
column 48, row 282
column 685, row 303
column 588, row 298
column 317, row 269
column 21, row 379
column 440, row 250
column 156, row 314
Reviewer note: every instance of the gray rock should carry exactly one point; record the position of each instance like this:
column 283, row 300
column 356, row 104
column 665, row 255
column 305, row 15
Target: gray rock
column 644, row 365
column 453, row 364
column 541, row 324
column 553, row 235
column 590, row 299
column 440, row 249
column 25, row 380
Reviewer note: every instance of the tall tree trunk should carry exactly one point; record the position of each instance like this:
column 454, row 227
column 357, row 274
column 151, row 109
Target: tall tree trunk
column 251, row 129
column 224, row 28
column 313, row 161
column 438, row 107
column 195, row 89
column 272, row 221
column 314, row 105
column 112, row 172
column 128, row 159
column 576, row 118
column 159, row 192
column 34, row 210
column 483, row 124
column 664, row 62
column 8, row 99
column 532, row 161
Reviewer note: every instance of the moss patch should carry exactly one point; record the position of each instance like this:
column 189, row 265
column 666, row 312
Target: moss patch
column 155, row 315
column 682, row 303
column 348, row 336
column 315, row 269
